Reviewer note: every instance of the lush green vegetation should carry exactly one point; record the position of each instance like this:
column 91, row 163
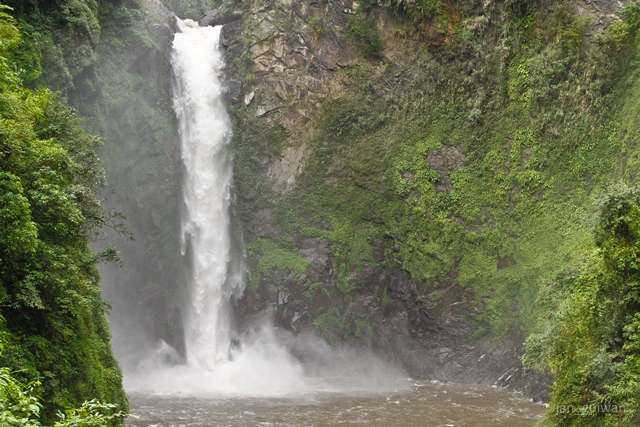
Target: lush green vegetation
column 60, row 36
column 20, row 407
column 590, row 330
column 53, row 331
column 364, row 33
column 100, row 58
column 479, row 163
column 476, row 184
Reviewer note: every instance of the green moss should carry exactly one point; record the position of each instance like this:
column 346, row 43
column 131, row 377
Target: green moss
column 329, row 324
column 279, row 255
column 273, row 258
column 317, row 25
column 335, row 326
column 364, row 34
column 313, row 289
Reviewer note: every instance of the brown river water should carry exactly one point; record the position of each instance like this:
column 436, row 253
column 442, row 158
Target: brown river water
column 422, row 404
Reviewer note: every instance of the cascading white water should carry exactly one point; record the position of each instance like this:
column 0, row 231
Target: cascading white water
column 205, row 131
column 261, row 365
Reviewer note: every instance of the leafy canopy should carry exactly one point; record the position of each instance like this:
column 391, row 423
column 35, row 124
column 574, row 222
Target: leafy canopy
column 52, row 323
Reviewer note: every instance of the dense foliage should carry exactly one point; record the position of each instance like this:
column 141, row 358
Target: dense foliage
column 100, row 58
column 590, row 334
column 20, row 407
column 53, row 328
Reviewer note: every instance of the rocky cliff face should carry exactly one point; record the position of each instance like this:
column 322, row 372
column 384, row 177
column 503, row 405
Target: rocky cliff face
column 348, row 116
column 299, row 59
column 302, row 57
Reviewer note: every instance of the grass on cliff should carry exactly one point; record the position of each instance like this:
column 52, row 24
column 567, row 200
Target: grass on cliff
column 538, row 124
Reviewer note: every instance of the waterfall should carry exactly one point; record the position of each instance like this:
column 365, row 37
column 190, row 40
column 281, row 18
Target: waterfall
column 261, row 364
column 205, row 132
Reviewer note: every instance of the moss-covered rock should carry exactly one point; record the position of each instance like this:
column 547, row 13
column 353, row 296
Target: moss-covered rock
column 449, row 176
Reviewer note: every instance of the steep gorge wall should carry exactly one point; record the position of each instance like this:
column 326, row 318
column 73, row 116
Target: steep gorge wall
column 414, row 198
column 404, row 181
column 304, row 64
